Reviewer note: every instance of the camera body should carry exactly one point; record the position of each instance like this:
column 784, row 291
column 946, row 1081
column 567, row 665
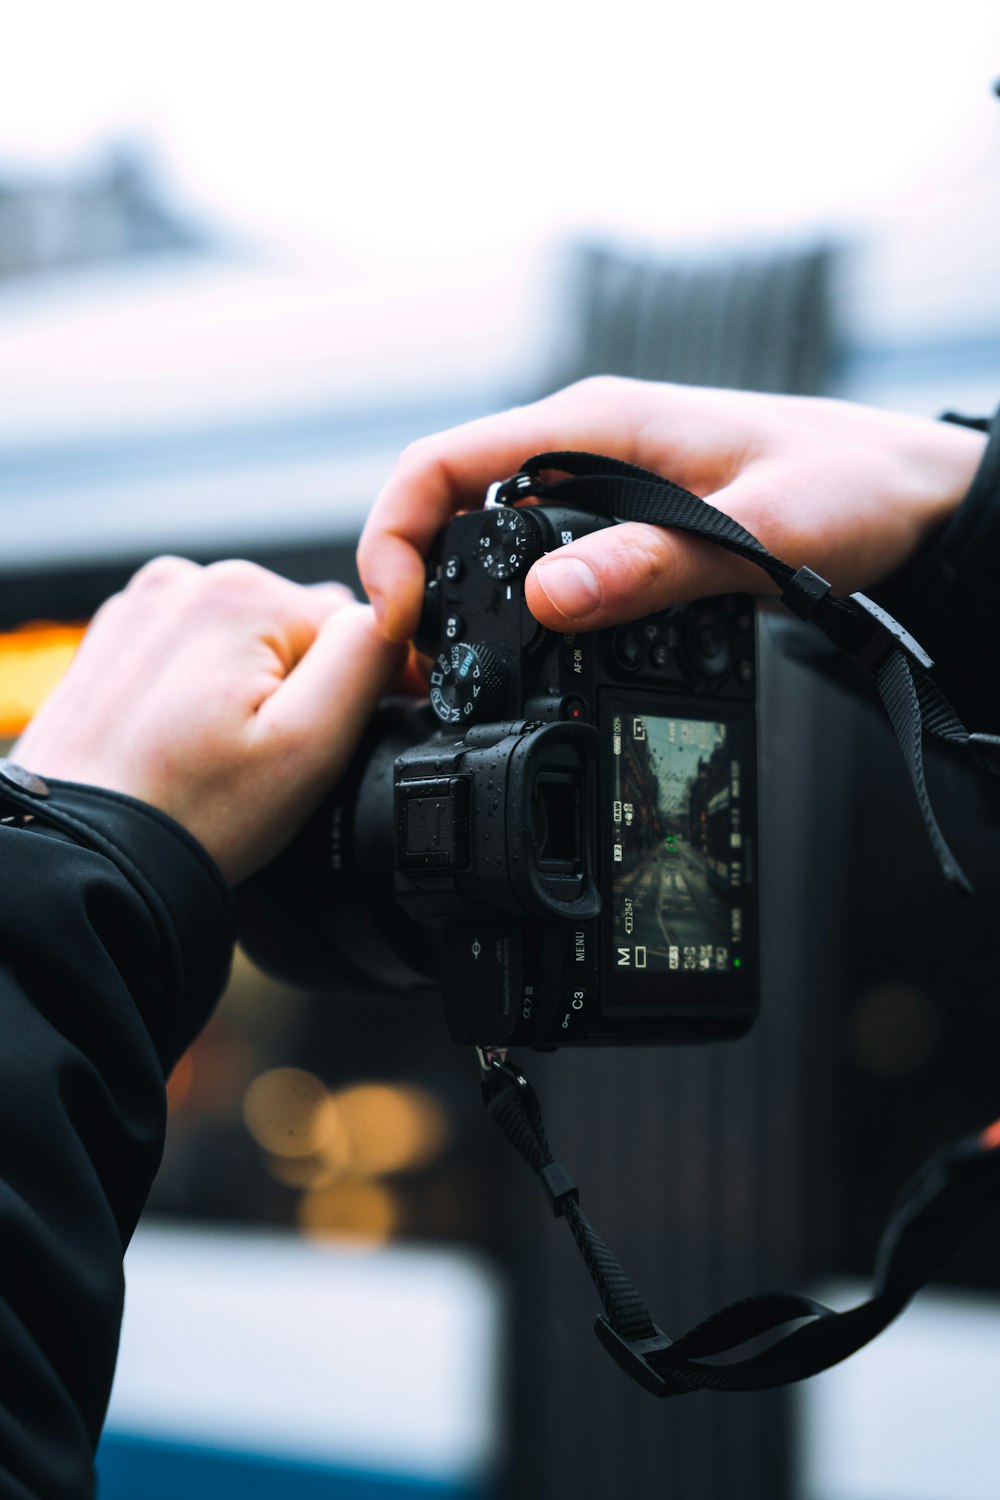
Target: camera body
column 582, row 821
column 564, row 839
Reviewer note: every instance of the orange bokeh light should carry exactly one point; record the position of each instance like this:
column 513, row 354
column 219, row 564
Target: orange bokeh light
column 390, row 1127
column 289, row 1112
column 32, row 660
column 363, row 1212
column 180, row 1083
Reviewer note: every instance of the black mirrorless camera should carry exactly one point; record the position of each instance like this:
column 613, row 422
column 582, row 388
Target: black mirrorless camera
column 564, row 838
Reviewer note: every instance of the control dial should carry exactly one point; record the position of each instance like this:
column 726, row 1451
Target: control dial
column 466, row 683
column 706, row 643
column 509, row 543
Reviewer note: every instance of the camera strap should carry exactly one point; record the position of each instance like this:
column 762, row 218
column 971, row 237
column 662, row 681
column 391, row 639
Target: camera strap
column 868, row 635
column 948, row 1198
column 954, row 1190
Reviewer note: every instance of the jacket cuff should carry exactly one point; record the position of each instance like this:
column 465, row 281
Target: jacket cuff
column 182, row 887
column 947, row 595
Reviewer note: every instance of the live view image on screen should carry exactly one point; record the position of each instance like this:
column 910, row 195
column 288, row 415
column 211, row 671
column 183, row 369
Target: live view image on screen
column 676, row 844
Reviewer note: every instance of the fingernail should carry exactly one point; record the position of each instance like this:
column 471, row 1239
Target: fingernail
column 569, row 585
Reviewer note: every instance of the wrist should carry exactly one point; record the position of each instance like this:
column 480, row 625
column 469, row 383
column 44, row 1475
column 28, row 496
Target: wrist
column 945, row 462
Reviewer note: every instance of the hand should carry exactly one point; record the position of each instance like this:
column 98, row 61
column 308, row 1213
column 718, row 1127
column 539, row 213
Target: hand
column 848, row 490
column 226, row 696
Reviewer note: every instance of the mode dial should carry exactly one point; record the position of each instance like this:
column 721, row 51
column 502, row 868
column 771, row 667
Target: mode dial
column 466, row 683
column 509, row 543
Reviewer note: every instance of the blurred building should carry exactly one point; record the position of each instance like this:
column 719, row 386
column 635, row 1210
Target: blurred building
column 113, row 211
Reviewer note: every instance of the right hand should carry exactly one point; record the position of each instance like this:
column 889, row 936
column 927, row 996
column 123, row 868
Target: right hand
column 849, row 490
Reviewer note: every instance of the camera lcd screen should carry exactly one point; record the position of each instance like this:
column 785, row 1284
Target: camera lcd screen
column 678, row 833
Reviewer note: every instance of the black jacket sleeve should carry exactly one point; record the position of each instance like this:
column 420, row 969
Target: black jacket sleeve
column 948, row 595
column 116, row 935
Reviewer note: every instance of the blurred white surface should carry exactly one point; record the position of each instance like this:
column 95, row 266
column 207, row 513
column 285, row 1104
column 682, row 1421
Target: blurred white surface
column 387, row 1361
column 238, row 509
column 913, row 1416
column 186, row 344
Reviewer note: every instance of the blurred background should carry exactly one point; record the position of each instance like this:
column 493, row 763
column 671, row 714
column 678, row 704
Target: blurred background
column 246, row 254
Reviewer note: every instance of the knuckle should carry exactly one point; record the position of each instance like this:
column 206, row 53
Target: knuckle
column 640, row 558
column 768, row 515
column 644, row 568
column 281, row 743
column 109, row 608
column 756, row 503
column 599, row 388
column 426, row 463
column 237, row 576
column 161, row 571
column 334, row 591
column 418, row 456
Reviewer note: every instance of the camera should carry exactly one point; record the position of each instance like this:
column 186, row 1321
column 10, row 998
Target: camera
column 563, row 839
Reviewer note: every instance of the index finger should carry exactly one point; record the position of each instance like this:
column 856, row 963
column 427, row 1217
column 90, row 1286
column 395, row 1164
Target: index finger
column 452, row 471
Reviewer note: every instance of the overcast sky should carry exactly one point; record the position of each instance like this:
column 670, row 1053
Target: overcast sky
column 397, row 182
column 416, row 127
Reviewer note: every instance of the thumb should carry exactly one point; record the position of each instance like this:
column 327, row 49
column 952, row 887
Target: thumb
column 626, row 571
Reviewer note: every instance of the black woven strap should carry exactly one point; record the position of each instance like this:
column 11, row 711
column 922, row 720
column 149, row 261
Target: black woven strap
column 943, row 1203
column 876, row 642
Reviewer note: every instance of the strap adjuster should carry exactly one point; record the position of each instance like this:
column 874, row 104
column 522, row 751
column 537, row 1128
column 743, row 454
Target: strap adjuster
column 887, row 635
column 633, row 1357
column 804, row 591
column 560, row 1187
column 985, row 751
